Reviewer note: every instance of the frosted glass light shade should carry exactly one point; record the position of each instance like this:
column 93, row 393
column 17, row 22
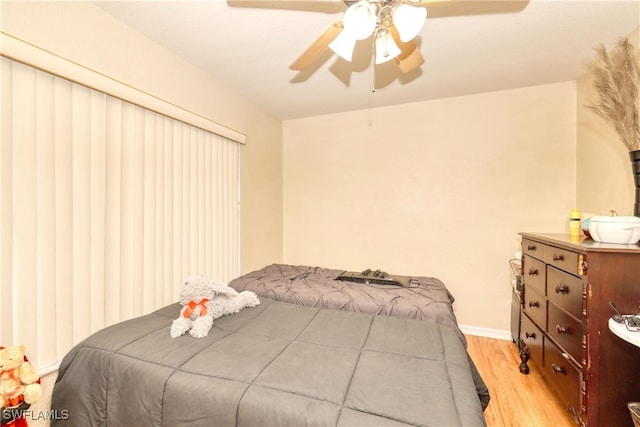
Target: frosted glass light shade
column 360, row 20
column 386, row 48
column 343, row 45
column 409, row 20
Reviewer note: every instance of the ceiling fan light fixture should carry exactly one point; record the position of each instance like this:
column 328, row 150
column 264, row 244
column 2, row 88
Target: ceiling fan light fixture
column 409, row 20
column 343, row 45
column 360, row 20
column 386, row 48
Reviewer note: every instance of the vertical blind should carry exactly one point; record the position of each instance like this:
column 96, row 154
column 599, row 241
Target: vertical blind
column 105, row 208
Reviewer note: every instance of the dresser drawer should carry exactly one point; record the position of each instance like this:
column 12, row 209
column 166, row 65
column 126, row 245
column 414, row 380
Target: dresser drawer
column 535, row 305
column 563, row 259
column 533, row 338
column 533, row 249
column 565, row 290
column 566, row 330
column 563, row 375
column 534, row 274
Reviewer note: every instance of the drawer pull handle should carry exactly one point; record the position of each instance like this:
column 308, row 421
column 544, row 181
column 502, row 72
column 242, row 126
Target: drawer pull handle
column 534, row 304
column 531, row 335
column 531, row 247
column 562, row 289
column 583, row 267
column 561, row 330
column 558, row 369
column 558, row 257
column 533, row 272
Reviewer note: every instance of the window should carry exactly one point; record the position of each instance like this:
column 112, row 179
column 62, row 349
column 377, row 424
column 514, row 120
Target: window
column 105, row 208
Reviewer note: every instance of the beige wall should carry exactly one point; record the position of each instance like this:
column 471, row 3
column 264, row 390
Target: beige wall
column 604, row 175
column 68, row 29
column 435, row 188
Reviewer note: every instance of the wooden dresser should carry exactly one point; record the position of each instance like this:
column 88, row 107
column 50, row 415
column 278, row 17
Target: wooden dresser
column 568, row 284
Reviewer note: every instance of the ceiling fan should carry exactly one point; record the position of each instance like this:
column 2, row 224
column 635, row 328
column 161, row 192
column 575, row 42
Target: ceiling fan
column 393, row 24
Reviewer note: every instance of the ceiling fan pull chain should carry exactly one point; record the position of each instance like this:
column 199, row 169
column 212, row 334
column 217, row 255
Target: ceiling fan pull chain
column 372, row 81
column 372, row 78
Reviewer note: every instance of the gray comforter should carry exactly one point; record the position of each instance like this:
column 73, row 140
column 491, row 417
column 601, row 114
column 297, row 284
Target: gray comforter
column 276, row 364
column 427, row 299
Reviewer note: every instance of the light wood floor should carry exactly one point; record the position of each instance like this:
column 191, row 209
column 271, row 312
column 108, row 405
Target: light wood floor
column 516, row 399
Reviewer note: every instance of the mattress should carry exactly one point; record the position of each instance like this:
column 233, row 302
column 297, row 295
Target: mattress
column 277, row 364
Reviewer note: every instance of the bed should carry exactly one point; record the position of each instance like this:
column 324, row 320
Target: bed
column 415, row 297
column 276, row 364
column 423, row 298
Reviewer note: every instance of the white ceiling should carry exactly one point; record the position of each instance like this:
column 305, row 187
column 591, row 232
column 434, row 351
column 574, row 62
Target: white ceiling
column 469, row 47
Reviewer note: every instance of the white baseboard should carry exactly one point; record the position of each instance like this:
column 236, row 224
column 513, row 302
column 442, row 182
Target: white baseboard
column 486, row 332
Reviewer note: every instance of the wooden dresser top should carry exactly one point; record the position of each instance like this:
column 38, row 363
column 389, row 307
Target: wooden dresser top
column 580, row 243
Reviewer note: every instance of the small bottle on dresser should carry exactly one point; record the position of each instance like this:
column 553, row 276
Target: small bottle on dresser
column 574, row 222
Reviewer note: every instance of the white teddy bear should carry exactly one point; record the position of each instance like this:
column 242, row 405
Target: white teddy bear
column 204, row 300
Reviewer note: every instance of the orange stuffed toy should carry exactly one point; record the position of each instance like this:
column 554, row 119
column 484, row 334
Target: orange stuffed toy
column 19, row 385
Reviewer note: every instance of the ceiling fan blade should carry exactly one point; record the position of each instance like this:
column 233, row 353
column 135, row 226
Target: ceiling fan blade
column 424, row 2
column 326, row 6
column 410, row 57
column 317, row 48
column 411, row 62
column 447, row 8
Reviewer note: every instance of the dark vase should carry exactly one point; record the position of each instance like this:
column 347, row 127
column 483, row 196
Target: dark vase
column 635, row 165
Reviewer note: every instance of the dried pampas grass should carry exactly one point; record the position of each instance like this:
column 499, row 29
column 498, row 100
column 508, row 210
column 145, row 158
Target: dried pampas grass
column 617, row 80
